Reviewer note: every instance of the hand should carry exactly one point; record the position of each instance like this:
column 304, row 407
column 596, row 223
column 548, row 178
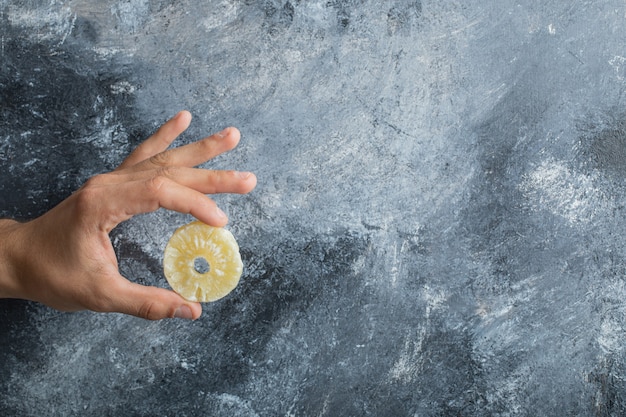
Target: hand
column 65, row 258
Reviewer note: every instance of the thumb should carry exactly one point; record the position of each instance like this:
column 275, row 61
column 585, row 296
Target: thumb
column 154, row 303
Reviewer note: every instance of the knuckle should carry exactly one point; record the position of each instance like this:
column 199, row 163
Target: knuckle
column 238, row 184
column 155, row 184
column 223, row 176
column 148, row 310
column 166, row 172
column 206, row 145
column 161, row 159
column 85, row 198
column 214, row 144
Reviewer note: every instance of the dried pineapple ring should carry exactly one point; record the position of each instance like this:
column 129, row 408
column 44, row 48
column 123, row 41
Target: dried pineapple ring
column 202, row 262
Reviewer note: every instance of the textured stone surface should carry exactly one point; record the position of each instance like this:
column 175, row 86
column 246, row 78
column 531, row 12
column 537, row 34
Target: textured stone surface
column 437, row 230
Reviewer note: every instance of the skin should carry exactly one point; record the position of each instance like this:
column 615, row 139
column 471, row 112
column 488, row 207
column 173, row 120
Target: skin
column 65, row 258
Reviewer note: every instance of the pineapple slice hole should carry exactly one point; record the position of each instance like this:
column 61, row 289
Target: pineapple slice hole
column 201, row 265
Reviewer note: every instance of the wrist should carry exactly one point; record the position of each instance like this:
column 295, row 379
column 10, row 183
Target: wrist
column 9, row 283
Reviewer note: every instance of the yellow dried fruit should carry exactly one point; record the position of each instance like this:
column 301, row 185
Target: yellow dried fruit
column 201, row 262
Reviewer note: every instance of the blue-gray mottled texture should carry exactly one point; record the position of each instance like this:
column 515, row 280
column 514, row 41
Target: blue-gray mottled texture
column 438, row 227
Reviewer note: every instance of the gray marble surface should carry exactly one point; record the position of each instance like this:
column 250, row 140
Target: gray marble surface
column 437, row 228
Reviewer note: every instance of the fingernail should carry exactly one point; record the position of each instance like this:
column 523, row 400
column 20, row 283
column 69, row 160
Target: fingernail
column 183, row 312
column 223, row 133
column 220, row 213
column 244, row 175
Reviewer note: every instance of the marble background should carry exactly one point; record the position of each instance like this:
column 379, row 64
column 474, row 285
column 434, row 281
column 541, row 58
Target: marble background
column 437, row 227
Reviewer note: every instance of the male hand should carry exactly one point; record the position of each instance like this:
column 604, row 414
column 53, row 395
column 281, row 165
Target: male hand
column 65, row 258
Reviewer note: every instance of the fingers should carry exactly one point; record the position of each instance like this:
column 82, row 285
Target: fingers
column 193, row 154
column 153, row 178
column 151, row 303
column 160, row 140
